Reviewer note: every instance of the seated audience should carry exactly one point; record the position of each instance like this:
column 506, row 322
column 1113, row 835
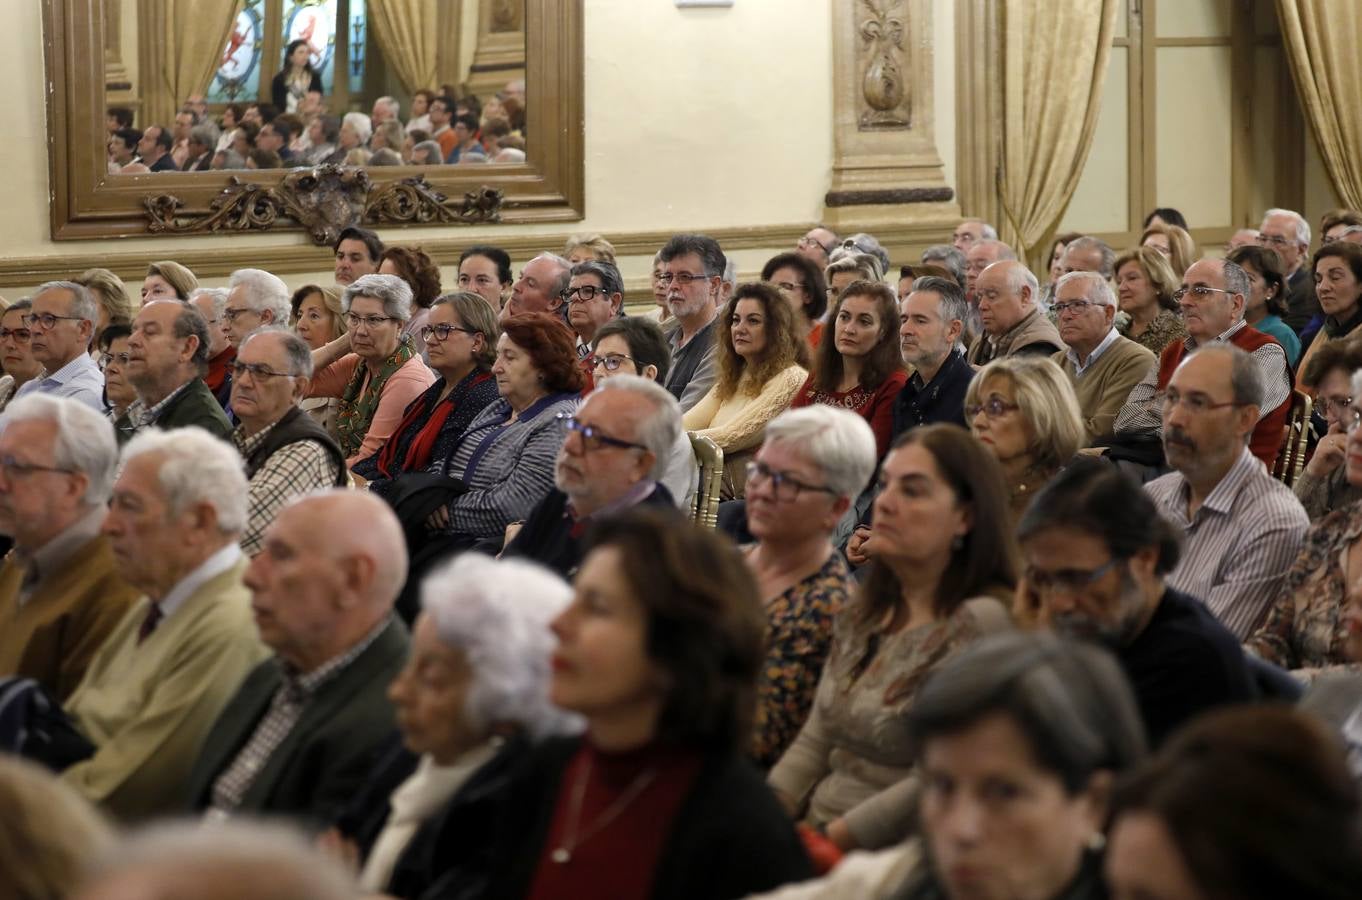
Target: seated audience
column 581, row 248
column 759, row 362
column 667, row 725
column 858, row 365
column 1101, row 365
column 358, row 253
column 942, row 559
column 1165, row 215
column 816, row 245
column 61, row 325
column 979, row 257
column 168, row 280
column 931, row 324
column 848, row 266
column 612, row 457
column 318, row 319
column 692, row 266
column 947, row 257
column 1287, row 232
column 1088, row 254
column 355, row 131
column 486, row 271
column 864, row 244
column 202, row 141
column 1097, row 554
column 157, row 683
column 809, row 470
column 16, row 351
column 153, row 151
column 322, row 134
column 304, row 730
column 540, row 287
column 381, row 375
column 1011, row 320
column 970, row 232
column 1174, row 243
column 60, row 591
column 167, row 352
column 1059, row 244
column 111, row 295
column 803, row 285
column 1323, row 485
column 1333, row 222
column 426, row 153
column 595, row 295
column 414, row 266
column 119, row 393
column 1243, row 527
column 1266, row 302
column 1145, row 285
column 287, row 454
column 1025, row 412
column 1337, row 269
column 461, row 339
column 47, row 834
column 1254, row 803
column 122, row 150
column 1244, row 237
column 254, row 298
column 212, row 305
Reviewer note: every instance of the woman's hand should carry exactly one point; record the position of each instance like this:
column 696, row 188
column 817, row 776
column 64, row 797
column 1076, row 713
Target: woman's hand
column 1329, row 454
column 856, row 554
column 439, row 520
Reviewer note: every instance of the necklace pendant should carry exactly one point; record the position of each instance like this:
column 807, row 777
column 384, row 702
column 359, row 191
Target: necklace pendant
column 561, row 856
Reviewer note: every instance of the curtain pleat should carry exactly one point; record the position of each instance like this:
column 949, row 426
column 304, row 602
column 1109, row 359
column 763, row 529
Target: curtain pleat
column 192, row 34
column 407, row 32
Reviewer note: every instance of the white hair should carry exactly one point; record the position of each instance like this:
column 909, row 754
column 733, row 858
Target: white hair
column 986, row 231
column 390, row 103
column 263, row 291
column 362, row 125
column 84, row 440
column 196, row 468
column 498, row 612
column 658, row 431
column 218, row 296
column 838, row 441
column 83, row 303
column 392, row 291
column 730, row 276
column 1302, row 226
column 1019, row 277
column 1095, row 287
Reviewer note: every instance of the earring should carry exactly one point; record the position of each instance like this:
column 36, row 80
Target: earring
column 1097, row 842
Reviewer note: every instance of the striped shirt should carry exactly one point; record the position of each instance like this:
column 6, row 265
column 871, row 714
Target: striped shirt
column 1240, row 544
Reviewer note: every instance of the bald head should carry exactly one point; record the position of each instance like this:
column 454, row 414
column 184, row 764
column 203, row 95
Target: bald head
column 375, row 535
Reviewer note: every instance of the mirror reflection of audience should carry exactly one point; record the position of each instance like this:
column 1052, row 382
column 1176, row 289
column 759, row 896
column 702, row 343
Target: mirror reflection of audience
column 119, row 393
column 1323, row 485
column 943, row 566
column 426, row 153
column 123, row 149
column 414, row 266
column 297, row 77
column 47, row 834
column 389, row 135
column 420, row 107
column 263, row 159
column 355, row 132
column 318, row 319
column 16, row 352
column 801, row 281
column 486, row 271
column 323, row 134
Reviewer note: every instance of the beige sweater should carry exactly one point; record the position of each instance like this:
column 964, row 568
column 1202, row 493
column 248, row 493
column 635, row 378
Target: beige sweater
column 1103, row 387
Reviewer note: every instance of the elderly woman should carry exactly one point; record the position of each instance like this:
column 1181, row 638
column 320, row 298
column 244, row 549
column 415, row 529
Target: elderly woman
column 802, row 282
column 115, row 306
column 414, row 266
column 1024, row 410
column 475, row 687
column 761, row 357
column 461, row 338
column 1144, row 291
column 486, row 271
column 382, row 375
column 1337, row 268
column 1323, row 486
column 167, row 280
column 942, row 566
column 1018, row 739
column 16, row 356
column 119, row 393
column 582, row 248
column 658, row 652
column 1266, row 302
column 804, row 478
column 355, row 131
column 318, row 320
column 1174, row 243
column 859, row 365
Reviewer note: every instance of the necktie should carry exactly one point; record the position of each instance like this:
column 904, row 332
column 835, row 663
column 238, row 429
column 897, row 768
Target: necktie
column 149, row 623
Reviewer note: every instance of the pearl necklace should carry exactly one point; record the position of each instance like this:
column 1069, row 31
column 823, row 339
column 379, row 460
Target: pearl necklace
column 562, row 854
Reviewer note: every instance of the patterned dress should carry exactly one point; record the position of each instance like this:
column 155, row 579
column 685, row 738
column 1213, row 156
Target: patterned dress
column 1166, row 328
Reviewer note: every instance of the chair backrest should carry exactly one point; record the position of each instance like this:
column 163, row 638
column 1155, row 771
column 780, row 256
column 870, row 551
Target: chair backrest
column 1291, row 457
column 710, row 459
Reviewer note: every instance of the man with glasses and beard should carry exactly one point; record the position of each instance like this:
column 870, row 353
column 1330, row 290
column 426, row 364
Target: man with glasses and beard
column 1096, row 552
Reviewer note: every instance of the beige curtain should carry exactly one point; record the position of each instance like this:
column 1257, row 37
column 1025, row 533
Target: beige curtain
column 408, row 32
column 1321, row 38
column 1054, row 63
column 184, row 40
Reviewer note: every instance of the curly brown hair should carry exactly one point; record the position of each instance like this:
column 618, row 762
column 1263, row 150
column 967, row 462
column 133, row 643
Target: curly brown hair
column 784, row 345
column 552, row 348
column 417, row 269
column 884, row 358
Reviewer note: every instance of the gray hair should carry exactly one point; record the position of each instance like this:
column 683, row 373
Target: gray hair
column 658, row 431
column 948, row 257
column 1004, row 251
column 608, row 273
column 1096, row 289
column 867, row 243
column 951, row 300
column 432, row 150
column 1351, row 229
column 196, row 468
column 863, row 264
column 83, row 303
column 1108, row 264
column 84, row 440
column 263, row 291
column 205, row 135
column 217, row 295
column 563, row 277
column 361, row 124
column 391, row 103
column 296, row 350
column 838, row 441
column 730, row 276
column 498, row 612
column 391, row 290
column 1236, row 279
column 1019, row 277
column 1302, row 226
column 1246, row 382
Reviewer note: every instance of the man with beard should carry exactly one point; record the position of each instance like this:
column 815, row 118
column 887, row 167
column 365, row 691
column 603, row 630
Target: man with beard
column 692, row 269
column 1096, row 553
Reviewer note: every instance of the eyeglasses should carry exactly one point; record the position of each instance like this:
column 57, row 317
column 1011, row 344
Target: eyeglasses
column 231, row 314
column 19, row 334
column 592, row 437
column 807, row 241
column 107, row 359
column 1275, row 240
column 442, row 332
column 1198, row 291
column 1338, row 405
column 611, row 361
column 48, row 321
column 256, row 370
column 792, row 288
column 12, row 467
column 1068, row 581
column 994, row 408
column 1196, row 403
column 586, row 293
column 682, row 278
column 355, row 321
column 784, row 486
column 1074, row 306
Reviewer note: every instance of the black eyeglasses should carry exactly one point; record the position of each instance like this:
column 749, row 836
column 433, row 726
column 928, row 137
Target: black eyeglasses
column 611, row 361
column 12, row 467
column 19, row 334
column 1068, row 581
column 49, row 321
column 785, row 486
column 586, row 293
column 994, row 408
column 441, row 333
column 682, row 278
column 592, row 437
column 256, row 370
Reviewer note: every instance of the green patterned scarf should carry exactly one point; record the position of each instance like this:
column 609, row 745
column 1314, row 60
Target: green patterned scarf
column 356, row 411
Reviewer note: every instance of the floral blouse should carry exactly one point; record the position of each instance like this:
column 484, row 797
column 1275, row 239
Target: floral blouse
column 1303, row 631
column 798, row 635
column 1166, row 328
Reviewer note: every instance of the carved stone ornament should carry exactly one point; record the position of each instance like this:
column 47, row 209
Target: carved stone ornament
column 325, row 201
column 883, row 89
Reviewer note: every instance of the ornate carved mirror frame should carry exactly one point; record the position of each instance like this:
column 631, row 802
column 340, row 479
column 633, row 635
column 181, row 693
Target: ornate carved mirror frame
column 87, row 203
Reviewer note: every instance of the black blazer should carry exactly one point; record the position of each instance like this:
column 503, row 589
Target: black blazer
column 279, row 89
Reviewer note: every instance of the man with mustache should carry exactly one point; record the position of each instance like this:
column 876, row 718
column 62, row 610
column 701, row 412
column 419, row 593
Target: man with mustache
column 1243, row 528
column 1097, row 553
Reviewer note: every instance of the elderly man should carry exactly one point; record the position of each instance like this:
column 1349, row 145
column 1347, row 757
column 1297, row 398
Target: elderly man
column 274, row 136
column 931, row 319
column 1241, row 238
column 817, row 243
column 1013, row 324
column 157, row 684
column 1102, row 366
column 1287, row 232
column 385, row 109
column 539, row 288
column 62, row 321
column 255, row 298
column 692, row 266
column 1242, row 526
column 60, row 592
column 1089, row 254
column 1097, row 553
column 1212, row 300
column 287, row 453
column 212, row 305
column 980, row 256
column 358, row 253
column 970, row 232
column 167, row 353
column 306, row 728
column 595, row 295
column 613, row 455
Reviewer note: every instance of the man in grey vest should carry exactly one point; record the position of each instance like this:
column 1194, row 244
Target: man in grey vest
column 692, row 274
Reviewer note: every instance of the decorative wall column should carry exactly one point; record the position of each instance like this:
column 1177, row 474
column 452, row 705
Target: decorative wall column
column 500, row 55
column 887, row 176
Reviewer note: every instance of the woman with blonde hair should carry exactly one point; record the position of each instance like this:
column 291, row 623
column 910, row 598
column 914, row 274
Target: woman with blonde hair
column 318, row 320
column 583, row 247
column 168, row 280
column 761, row 363
column 47, row 833
column 1174, row 243
column 115, row 306
column 1144, row 290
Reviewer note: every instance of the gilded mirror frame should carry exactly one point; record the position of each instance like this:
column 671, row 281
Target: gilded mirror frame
column 87, row 203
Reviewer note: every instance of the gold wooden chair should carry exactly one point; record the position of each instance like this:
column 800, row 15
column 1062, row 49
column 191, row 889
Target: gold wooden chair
column 1296, row 433
column 705, row 508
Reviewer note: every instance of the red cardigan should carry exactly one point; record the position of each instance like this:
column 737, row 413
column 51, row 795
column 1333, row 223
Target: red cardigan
column 876, row 407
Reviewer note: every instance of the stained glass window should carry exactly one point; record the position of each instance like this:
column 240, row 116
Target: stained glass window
column 359, row 35
column 238, row 77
